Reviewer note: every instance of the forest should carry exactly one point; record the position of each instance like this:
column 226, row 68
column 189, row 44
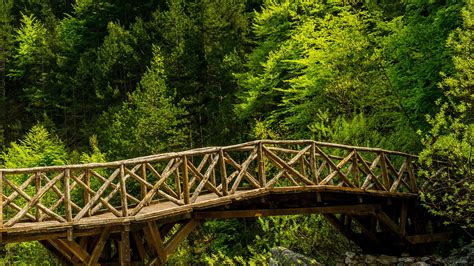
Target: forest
column 101, row 80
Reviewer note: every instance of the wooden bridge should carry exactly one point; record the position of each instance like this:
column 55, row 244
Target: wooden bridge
column 140, row 210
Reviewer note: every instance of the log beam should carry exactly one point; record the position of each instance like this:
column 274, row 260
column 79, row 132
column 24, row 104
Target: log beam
column 350, row 209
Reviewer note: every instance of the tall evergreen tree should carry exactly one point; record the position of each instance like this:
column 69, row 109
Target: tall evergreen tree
column 6, row 46
column 148, row 122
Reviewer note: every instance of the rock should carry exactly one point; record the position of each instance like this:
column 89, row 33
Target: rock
column 462, row 256
column 369, row 259
column 406, row 259
column 386, row 260
column 419, row 263
column 404, row 254
column 425, row 259
column 350, row 254
column 284, row 256
column 348, row 260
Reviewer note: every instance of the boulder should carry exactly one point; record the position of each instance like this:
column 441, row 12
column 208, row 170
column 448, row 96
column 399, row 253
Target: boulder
column 284, row 256
column 387, row 260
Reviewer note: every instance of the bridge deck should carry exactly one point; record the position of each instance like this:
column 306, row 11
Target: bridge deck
column 166, row 211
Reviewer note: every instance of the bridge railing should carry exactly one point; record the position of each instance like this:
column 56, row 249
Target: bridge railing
column 72, row 193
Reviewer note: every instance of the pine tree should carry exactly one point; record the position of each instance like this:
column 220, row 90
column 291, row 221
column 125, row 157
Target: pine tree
column 6, row 45
column 148, row 122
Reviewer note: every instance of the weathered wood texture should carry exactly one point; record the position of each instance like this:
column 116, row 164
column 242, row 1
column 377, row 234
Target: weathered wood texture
column 43, row 199
column 68, row 194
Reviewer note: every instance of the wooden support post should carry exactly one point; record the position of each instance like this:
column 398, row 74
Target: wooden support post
column 403, row 217
column 186, row 187
column 348, row 222
column 318, row 197
column 83, row 241
column 261, row 166
column 179, row 236
column 38, row 188
column 143, row 187
column 75, row 249
column 177, row 182
column 67, row 201
column 312, row 162
column 124, row 248
column 391, row 225
column 156, row 241
column 223, row 173
column 87, row 195
column 58, row 247
column 99, row 247
column 366, row 231
column 139, row 244
column 123, row 192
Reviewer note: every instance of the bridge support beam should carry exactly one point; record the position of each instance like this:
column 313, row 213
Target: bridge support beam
column 123, row 246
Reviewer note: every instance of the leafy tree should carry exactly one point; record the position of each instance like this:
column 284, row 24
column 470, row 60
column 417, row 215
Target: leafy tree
column 415, row 54
column 451, row 138
column 317, row 66
column 26, row 253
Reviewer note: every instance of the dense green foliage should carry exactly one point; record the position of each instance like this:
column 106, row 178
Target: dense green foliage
column 451, row 137
column 133, row 78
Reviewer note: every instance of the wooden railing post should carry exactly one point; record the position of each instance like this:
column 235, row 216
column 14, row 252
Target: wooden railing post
column 67, row 202
column 123, row 191
column 411, row 173
column 87, row 195
column 261, row 166
column 213, row 172
column 143, row 187
column 223, row 173
column 355, row 169
column 312, row 162
column 67, row 194
column 38, row 188
column 177, row 181
column 383, row 165
column 185, row 180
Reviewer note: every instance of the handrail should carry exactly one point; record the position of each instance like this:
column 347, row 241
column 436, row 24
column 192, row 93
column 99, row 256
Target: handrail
column 198, row 151
column 69, row 193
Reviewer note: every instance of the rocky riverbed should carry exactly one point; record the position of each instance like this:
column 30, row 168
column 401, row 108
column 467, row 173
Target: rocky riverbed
column 461, row 256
